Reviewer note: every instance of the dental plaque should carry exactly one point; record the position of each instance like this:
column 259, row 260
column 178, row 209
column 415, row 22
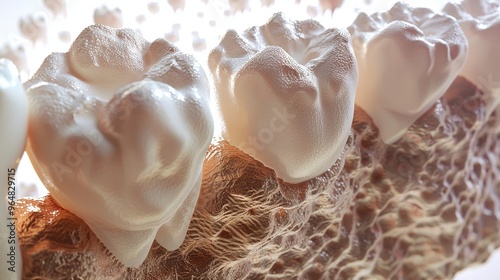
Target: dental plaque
column 118, row 130
column 407, row 57
column 285, row 91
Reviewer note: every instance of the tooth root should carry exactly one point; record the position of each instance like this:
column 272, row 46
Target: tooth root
column 171, row 234
column 13, row 129
column 131, row 247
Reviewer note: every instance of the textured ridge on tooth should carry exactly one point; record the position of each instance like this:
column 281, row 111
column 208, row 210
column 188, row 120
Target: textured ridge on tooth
column 480, row 21
column 13, row 128
column 407, row 59
column 286, row 94
column 129, row 167
column 105, row 67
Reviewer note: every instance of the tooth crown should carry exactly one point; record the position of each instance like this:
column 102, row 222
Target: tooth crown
column 480, row 21
column 407, row 58
column 285, row 91
column 129, row 163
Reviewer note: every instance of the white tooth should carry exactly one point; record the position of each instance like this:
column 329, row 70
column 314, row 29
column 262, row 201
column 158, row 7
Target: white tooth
column 480, row 21
column 286, row 94
column 34, row 27
column 330, row 4
column 104, row 15
column 154, row 7
column 15, row 51
column 13, row 127
column 267, row 3
column 64, row 36
column 130, row 167
column 177, row 4
column 407, row 59
column 172, row 36
column 57, row 7
column 239, row 6
column 199, row 44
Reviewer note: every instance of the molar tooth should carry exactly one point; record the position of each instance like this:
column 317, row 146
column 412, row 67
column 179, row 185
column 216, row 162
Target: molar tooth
column 56, row 7
column 287, row 99
column 129, row 165
column 34, row 27
column 405, row 65
column 13, row 128
column 15, row 51
column 480, row 21
column 177, row 4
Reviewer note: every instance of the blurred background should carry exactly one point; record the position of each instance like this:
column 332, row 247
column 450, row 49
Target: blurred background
column 32, row 29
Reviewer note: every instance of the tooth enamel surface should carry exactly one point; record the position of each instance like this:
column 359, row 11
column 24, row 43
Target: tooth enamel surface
column 407, row 59
column 129, row 165
column 285, row 91
column 480, row 21
column 13, row 128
